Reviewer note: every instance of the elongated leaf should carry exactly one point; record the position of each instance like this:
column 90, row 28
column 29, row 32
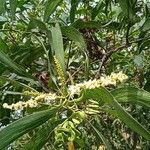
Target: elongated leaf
column 126, row 7
column 107, row 144
column 34, row 23
column 57, row 45
column 24, row 125
column 50, row 7
column 17, row 83
column 13, row 6
column 2, row 6
column 146, row 25
column 74, row 35
column 8, row 62
column 79, row 24
column 133, row 95
column 122, row 114
column 97, row 9
column 3, row 45
column 42, row 136
column 74, row 4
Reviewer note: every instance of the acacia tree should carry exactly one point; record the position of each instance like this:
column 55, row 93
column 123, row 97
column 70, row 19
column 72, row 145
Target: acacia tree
column 54, row 59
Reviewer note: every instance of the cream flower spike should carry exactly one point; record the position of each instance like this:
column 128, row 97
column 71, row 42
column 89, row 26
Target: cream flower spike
column 47, row 98
column 91, row 84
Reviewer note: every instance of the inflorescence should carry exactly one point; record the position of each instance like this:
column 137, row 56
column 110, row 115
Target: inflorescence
column 41, row 98
column 104, row 81
column 49, row 98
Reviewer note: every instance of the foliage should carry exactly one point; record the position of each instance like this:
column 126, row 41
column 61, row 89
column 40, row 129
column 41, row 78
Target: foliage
column 50, row 49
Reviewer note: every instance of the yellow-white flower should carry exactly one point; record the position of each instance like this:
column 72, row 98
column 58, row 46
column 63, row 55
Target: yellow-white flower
column 91, row 84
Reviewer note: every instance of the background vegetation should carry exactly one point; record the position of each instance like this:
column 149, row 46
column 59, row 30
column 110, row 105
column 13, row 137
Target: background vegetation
column 46, row 45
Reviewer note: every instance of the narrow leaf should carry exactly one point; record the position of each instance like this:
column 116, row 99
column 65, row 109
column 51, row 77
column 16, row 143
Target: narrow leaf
column 146, row 25
column 74, row 4
column 122, row 114
column 133, row 95
column 50, row 7
column 107, row 144
column 42, row 136
column 13, row 6
column 74, row 35
column 2, row 6
column 24, row 125
column 57, row 45
column 12, row 65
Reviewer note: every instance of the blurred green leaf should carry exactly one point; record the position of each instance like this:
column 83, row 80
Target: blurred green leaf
column 133, row 95
column 34, row 23
column 57, row 45
column 96, row 10
column 74, row 35
column 13, row 6
column 74, row 4
column 146, row 25
column 42, row 135
column 80, row 24
column 3, row 45
column 2, row 6
column 127, row 9
column 50, row 8
column 105, row 141
column 122, row 114
column 24, row 125
column 12, row 65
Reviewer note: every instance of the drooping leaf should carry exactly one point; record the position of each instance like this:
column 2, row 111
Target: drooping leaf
column 3, row 45
column 133, row 95
column 34, row 23
column 12, row 65
column 146, row 25
column 50, row 7
column 97, row 9
column 13, row 6
column 24, row 125
column 127, row 9
column 105, row 141
column 57, row 45
column 122, row 114
column 74, row 4
column 80, row 24
column 42, row 136
column 2, row 6
column 74, row 35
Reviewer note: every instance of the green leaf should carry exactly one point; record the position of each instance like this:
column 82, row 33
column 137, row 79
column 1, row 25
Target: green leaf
column 13, row 6
column 97, row 9
column 50, row 7
column 2, row 6
column 133, row 95
column 24, row 125
column 57, row 45
column 107, row 144
column 34, row 23
column 80, row 24
column 3, row 45
column 74, row 35
column 127, row 9
column 74, row 4
column 42, row 135
column 122, row 114
column 146, row 25
column 12, row 65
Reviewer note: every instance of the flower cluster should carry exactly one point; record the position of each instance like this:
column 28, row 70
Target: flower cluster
column 91, row 84
column 49, row 98
column 34, row 102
